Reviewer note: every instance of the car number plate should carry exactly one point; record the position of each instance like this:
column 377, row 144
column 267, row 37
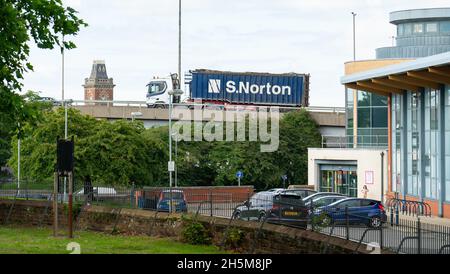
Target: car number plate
column 290, row 213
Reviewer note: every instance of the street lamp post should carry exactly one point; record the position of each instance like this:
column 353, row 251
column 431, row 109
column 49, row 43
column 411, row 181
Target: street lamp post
column 18, row 161
column 179, row 41
column 354, row 37
column 171, row 164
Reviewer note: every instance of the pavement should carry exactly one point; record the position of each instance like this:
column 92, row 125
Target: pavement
column 424, row 219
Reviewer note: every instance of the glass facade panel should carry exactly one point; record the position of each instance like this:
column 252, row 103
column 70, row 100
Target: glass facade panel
column 413, row 148
column 431, row 27
column 444, row 26
column 447, row 141
column 400, row 30
column 407, row 29
column 364, row 117
column 432, row 144
column 396, row 153
column 364, row 99
column 341, row 181
column 379, row 117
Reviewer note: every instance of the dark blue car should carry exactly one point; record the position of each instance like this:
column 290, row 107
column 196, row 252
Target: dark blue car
column 178, row 201
column 353, row 210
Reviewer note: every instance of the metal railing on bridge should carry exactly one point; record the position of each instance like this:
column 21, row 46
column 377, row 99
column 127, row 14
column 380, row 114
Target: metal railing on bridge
column 349, row 141
column 143, row 104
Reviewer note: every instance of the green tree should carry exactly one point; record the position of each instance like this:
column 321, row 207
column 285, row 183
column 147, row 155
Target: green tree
column 26, row 109
column 44, row 22
column 298, row 132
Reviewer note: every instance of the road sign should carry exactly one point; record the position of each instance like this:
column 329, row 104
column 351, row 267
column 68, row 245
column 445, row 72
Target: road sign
column 239, row 174
column 284, row 177
column 171, row 166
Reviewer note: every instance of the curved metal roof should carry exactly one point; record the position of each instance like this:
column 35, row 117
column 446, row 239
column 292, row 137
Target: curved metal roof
column 415, row 15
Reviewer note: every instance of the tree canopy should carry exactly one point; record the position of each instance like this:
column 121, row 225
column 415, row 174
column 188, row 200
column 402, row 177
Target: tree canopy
column 44, row 22
column 123, row 152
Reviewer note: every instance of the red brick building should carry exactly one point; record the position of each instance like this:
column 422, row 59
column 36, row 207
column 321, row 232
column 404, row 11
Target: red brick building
column 98, row 86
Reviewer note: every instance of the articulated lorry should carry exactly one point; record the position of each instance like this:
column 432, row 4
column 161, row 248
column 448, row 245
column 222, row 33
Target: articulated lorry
column 233, row 88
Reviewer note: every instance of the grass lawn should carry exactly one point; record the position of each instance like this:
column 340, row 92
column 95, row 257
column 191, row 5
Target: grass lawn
column 19, row 240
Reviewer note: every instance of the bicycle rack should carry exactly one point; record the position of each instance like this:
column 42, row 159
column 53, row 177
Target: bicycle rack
column 415, row 208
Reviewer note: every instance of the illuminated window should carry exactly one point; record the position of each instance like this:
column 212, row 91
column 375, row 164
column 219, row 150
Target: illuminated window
column 418, row 28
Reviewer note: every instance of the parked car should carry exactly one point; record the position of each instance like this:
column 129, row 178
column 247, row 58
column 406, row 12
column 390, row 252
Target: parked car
column 257, row 207
column 321, row 194
column 174, row 197
column 324, row 201
column 50, row 100
column 289, row 209
column 99, row 192
column 275, row 190
column 359, row 211
column 304, row 192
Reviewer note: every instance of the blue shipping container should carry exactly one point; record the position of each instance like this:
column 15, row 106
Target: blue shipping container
column 250, row 88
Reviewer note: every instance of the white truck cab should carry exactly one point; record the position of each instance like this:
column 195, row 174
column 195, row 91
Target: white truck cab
column 158, row 91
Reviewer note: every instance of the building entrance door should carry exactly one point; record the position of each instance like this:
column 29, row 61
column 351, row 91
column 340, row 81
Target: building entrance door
column 340, row 179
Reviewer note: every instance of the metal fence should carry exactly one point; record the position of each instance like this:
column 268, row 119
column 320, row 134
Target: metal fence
column 349, row 141
column 402, row 234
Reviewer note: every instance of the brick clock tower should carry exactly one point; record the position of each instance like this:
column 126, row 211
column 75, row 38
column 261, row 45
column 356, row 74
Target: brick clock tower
column 98, row 86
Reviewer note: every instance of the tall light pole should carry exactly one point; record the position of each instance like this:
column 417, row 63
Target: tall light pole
column 179, row 41
column 171, row 164
column 354, row 37
column 65, row 105
column 18, row 157
column 176, row 158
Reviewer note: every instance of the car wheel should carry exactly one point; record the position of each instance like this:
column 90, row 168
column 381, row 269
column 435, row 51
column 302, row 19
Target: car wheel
column 375, row 222
column 236, row 215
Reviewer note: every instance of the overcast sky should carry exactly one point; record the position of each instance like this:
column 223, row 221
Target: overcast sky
column 138, row 40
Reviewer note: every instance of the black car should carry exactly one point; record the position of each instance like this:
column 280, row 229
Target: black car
column 289, row 209
column 304, row 192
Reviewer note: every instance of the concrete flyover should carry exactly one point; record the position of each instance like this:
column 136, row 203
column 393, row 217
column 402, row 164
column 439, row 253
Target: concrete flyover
column 328, row 118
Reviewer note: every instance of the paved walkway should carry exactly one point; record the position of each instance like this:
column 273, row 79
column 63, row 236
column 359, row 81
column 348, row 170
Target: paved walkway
column 429, row 220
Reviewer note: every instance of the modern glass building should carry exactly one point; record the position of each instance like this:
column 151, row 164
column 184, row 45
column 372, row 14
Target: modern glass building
column 418, row 96
column 420, row 33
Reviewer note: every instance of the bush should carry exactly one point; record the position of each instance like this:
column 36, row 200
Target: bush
column 195, row 233
column 234, row 238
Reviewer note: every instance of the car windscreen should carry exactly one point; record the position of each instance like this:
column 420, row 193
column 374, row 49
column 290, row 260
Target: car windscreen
column 288, row 199
column 175, row 195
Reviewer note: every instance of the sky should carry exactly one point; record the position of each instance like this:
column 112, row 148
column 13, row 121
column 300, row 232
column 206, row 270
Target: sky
column 138, row 39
